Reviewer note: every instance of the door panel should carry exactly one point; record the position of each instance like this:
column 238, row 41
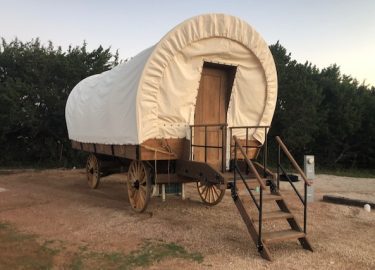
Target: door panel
column 211, row 108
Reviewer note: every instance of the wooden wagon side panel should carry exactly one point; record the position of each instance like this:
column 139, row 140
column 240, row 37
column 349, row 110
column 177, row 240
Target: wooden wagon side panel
column 152, row 149
column 126, row 151
column 123, row 151
column 165, row 149
column 104, row 149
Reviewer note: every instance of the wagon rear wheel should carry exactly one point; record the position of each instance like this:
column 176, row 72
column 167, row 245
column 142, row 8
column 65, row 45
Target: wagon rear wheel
column 139, row 185
column 210, row 193
column 93, row 171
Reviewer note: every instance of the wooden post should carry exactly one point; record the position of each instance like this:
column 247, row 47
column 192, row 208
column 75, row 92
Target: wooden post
column 163, row 192
column 183, row 191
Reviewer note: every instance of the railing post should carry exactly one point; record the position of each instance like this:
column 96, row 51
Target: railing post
column 278, row 167
column 260, row 246
column 230, row 144
column 247, row 139
column 223, row 148
column 265, row 153
column 305, row 209
column 205, row 144
column 191, row 142
column 246, row 145
column 235, row 167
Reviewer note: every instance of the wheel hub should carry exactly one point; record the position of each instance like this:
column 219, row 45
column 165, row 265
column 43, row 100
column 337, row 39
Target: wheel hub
column 136, row 184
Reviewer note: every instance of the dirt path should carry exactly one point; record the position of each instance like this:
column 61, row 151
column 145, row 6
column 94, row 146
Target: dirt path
column 58, row 207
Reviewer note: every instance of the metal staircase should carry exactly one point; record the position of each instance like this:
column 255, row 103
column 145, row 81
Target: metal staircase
column 259, row 205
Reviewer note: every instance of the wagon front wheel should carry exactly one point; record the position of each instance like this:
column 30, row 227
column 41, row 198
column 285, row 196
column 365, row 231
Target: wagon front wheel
column 210, row 193
column 139, row 185
column 93, row 171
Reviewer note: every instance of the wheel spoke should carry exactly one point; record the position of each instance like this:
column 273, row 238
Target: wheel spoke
column 204, row 191
column 215, row 190
column 142, row 196
column 139, row 200
column 212, row 195
column 142, row 177
column 208, row 195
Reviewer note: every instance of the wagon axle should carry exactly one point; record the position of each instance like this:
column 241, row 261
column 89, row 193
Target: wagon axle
column 136, row 184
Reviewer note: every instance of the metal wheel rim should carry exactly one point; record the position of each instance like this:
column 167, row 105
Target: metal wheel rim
column 210, row 193
column 139, row 188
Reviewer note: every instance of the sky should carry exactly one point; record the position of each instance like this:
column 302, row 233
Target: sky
column 321, row 32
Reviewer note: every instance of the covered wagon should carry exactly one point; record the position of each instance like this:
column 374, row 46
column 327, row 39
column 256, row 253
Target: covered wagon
column 195, row 107
column 178, row 103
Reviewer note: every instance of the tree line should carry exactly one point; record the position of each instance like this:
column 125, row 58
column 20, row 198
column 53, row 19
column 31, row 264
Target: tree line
column 325, row 113
column 319, row 111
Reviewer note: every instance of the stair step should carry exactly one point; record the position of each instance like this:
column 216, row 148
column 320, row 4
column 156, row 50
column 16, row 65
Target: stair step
column 279, row 236
column 272, row 215
column 269, row 197
column 252, row 183
column 266, row 197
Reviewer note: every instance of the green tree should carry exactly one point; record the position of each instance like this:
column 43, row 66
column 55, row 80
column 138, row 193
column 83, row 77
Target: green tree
column 296, row 117
column 35, row 81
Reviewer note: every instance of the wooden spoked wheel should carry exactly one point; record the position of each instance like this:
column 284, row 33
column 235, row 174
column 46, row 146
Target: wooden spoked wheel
column 210, row 193
column 93, row 171
column 139, row 185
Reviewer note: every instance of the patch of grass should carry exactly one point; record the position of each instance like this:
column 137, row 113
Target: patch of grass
column 3, row 226
column 22, row 251
column 149, row 253
column 76, row 263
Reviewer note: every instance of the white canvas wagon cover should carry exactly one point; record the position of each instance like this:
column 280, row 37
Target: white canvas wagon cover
column 153, row 95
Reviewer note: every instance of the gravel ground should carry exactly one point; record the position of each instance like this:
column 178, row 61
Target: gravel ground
column 58, row 205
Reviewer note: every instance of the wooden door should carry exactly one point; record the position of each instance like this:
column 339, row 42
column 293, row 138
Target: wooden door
column 211, row 108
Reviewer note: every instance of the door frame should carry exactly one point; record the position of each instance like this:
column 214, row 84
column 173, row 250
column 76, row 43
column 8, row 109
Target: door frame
column 230, row 71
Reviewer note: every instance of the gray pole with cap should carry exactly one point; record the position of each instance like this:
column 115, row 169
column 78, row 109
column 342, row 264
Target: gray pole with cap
column 309, row 168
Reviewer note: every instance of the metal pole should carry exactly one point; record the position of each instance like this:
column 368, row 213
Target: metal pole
column 247, row 139
column 230, row 145
column 305, row 210
column 205, row 144
column 191, row 142
column 278, row 167
column 260, row 218
column 235, row 166
column 265, row 152
column 223, row 147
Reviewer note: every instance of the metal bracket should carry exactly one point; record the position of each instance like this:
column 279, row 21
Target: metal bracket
column 271, row 184
column 233, row 192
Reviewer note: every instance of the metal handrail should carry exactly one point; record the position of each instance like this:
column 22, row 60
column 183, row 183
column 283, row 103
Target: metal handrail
column 249, row 163
column 292, row 160
column 241, row 127
column 210, row 125
column 262, row 185
column 298, row 168
column 246, row 185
